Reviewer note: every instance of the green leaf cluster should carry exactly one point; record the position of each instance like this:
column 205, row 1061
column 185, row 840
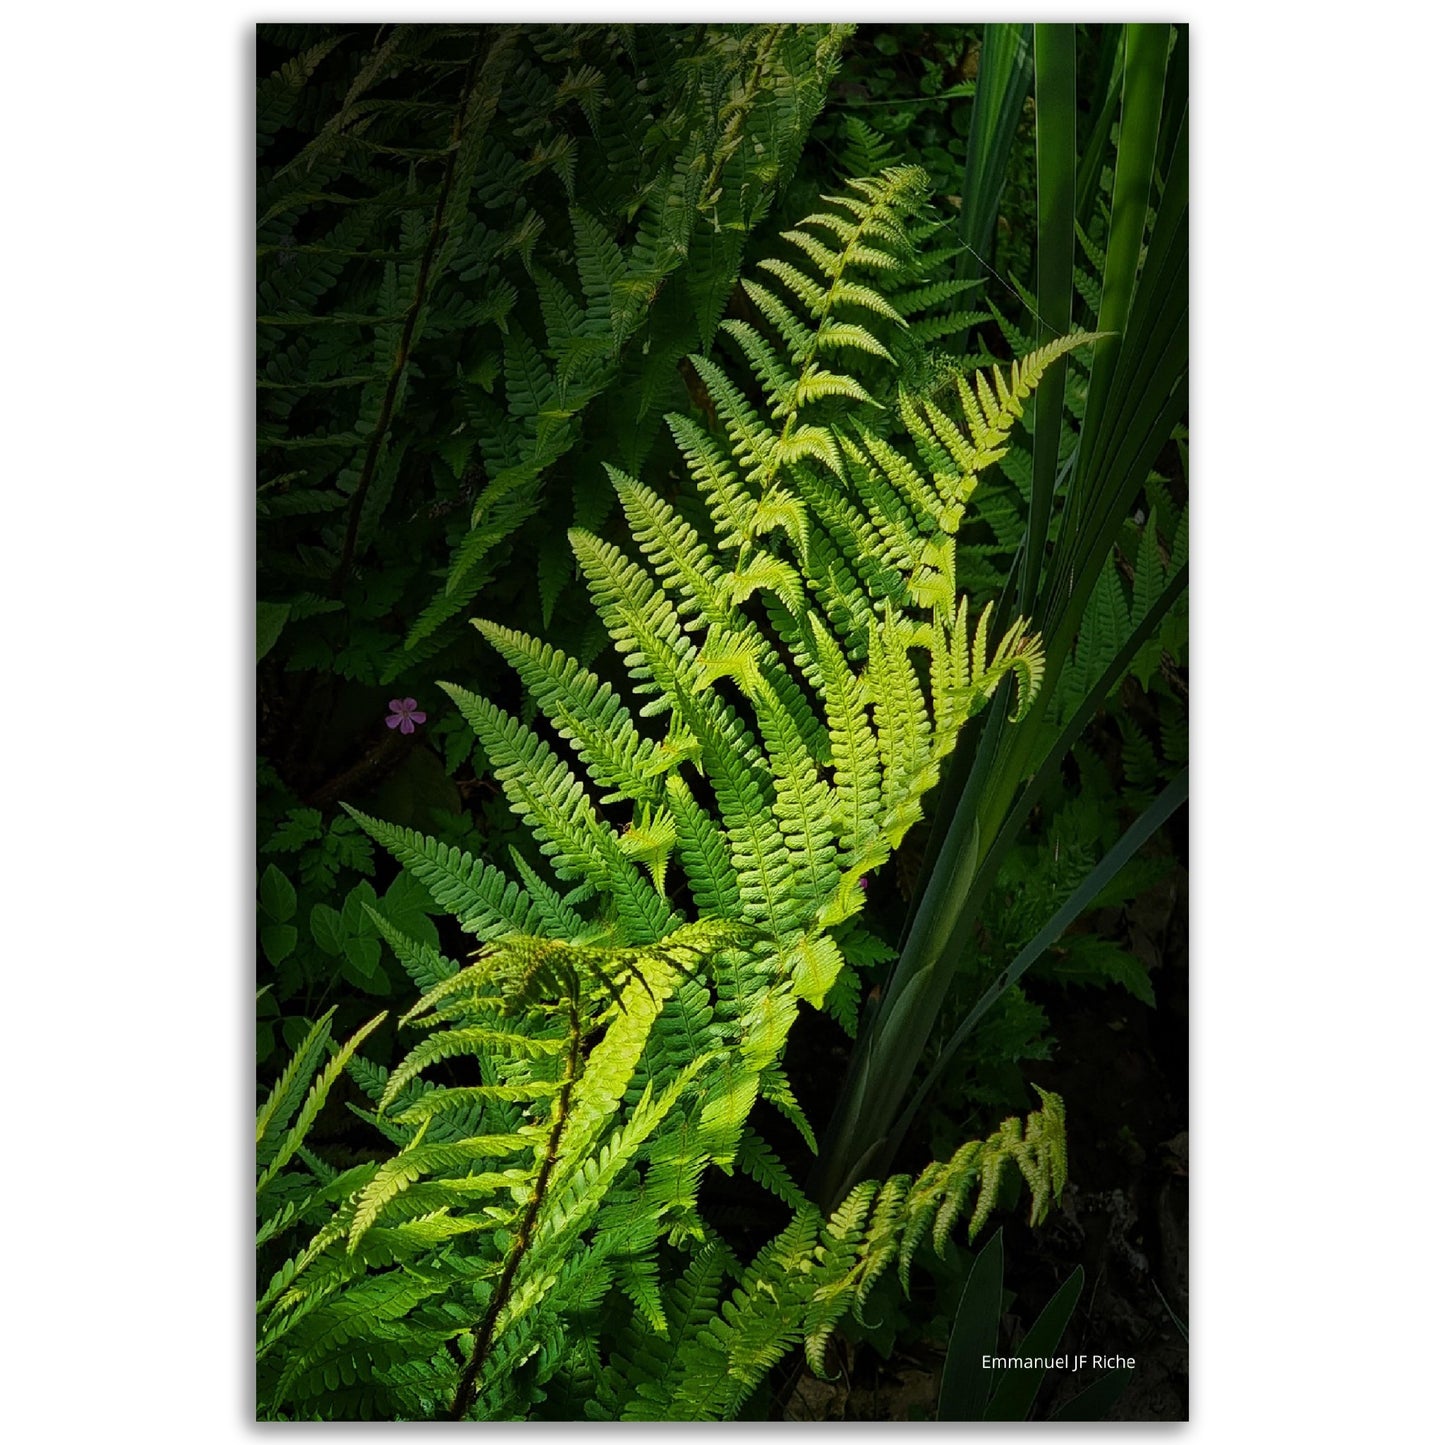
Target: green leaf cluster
column 801, row 664
column 483, row 253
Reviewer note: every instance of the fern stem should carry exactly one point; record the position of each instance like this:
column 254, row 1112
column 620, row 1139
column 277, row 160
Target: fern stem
column 467, row 1386
column 728, row 142
column 408, row 335
column 379, row 760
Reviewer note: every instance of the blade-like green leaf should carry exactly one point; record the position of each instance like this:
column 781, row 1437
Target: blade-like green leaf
column 963, row 1393
column 1018, row 1389
column 1055, row 142
column 1145, row 50
column 1003, row 80
column 1095, row 1401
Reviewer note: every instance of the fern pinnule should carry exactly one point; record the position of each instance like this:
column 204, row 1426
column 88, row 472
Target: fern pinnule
column 482, row 898
column 466, row 1040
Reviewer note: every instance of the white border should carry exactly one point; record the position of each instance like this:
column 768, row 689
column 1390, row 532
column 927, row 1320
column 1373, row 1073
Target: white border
column 127, row 558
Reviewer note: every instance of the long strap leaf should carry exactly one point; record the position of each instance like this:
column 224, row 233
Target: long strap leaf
column 1019, row 1388
column 1055, row 109
column 1002, row 85
column 963, row 1392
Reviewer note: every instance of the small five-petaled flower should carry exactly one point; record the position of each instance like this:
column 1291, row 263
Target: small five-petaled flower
column 404, row 714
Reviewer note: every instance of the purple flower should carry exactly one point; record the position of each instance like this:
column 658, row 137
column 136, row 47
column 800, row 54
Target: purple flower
column 404, row 714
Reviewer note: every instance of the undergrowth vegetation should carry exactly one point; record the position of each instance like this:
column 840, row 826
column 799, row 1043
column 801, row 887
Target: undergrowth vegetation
column 827, row 669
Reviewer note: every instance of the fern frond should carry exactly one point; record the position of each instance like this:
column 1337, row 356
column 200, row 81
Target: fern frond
column 817, row 1270
column 287, row 1146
